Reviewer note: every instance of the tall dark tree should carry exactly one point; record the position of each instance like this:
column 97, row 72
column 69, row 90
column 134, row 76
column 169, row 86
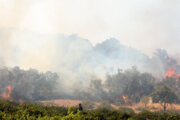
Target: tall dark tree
column 164, row 95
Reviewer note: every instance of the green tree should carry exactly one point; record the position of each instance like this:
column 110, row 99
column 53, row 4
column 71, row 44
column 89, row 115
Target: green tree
column 105, row 105
column 164, row 95
column 145, row 100
column 88, row 105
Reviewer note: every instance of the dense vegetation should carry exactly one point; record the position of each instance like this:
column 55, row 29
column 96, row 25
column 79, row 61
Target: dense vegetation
column 29, row 85
column 29, row 111
column 132, row 86
column 125, row 87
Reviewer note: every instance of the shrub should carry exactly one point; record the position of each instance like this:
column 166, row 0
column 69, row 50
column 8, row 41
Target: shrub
column 88, row 105
column 126, row 110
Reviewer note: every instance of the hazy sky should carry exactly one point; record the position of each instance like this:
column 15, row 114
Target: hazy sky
column 142, row 24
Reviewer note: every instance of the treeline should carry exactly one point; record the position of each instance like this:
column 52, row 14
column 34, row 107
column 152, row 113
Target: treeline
column 124, row 87
column 130, row 83
column 28, row 85
column 33, row 111
column 128, row 87
column 31, row 85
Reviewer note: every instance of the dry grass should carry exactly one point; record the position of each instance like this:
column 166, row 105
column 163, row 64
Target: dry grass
column 153, row 107
column 62, row 102
column 135, row 107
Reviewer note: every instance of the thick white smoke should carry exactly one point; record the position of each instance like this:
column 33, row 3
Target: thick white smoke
column 146, row 25
column 72, row 57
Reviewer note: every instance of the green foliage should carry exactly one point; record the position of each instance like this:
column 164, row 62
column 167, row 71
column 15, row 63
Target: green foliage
column 126, row 110
column 88, row 105
column 30, row 111
column 146, row 115
column 145, row 100
column 164, row 94
column 105, row 105
column 28, row 85
column 129, row 83
column 140, row 109
column 72, row 110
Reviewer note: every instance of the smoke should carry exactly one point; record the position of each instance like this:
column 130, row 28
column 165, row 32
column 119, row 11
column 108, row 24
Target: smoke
column 77, row 62
column 146, row 25
column 11, row 14
column 72, row 56
column 28, row 39
column 75, row 58
column 4, row 45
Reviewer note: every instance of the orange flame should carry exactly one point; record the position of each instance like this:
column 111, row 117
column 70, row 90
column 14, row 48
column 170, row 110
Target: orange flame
column 170, row 73
column 124, row 97
column 7, row 95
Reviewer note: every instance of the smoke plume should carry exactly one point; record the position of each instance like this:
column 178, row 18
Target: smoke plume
column 75, row 58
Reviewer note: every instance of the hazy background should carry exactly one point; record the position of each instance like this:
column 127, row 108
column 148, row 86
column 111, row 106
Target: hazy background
column 73, row 37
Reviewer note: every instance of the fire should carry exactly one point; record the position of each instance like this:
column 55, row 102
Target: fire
column 171, row 72
column 7, row 95
column 124, row 97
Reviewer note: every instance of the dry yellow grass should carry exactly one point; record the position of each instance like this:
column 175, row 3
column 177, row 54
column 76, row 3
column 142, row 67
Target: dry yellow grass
column 135, row 107
column 62, row 102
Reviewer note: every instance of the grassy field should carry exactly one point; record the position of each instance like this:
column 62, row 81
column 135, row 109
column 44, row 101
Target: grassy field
column 136, row 107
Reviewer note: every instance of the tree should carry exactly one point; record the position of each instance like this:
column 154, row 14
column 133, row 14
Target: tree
column 131, row 83
column 88, row 105
column 97, row 88
column 105, row 105
column 164, row 95
column 145, row 100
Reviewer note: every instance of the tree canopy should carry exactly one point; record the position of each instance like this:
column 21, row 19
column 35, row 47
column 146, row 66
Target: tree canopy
column 164, row 95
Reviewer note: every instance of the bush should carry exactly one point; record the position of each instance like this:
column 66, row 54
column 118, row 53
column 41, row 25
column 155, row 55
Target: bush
column 126, row 110
column 105, row 105
column 88, row 105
